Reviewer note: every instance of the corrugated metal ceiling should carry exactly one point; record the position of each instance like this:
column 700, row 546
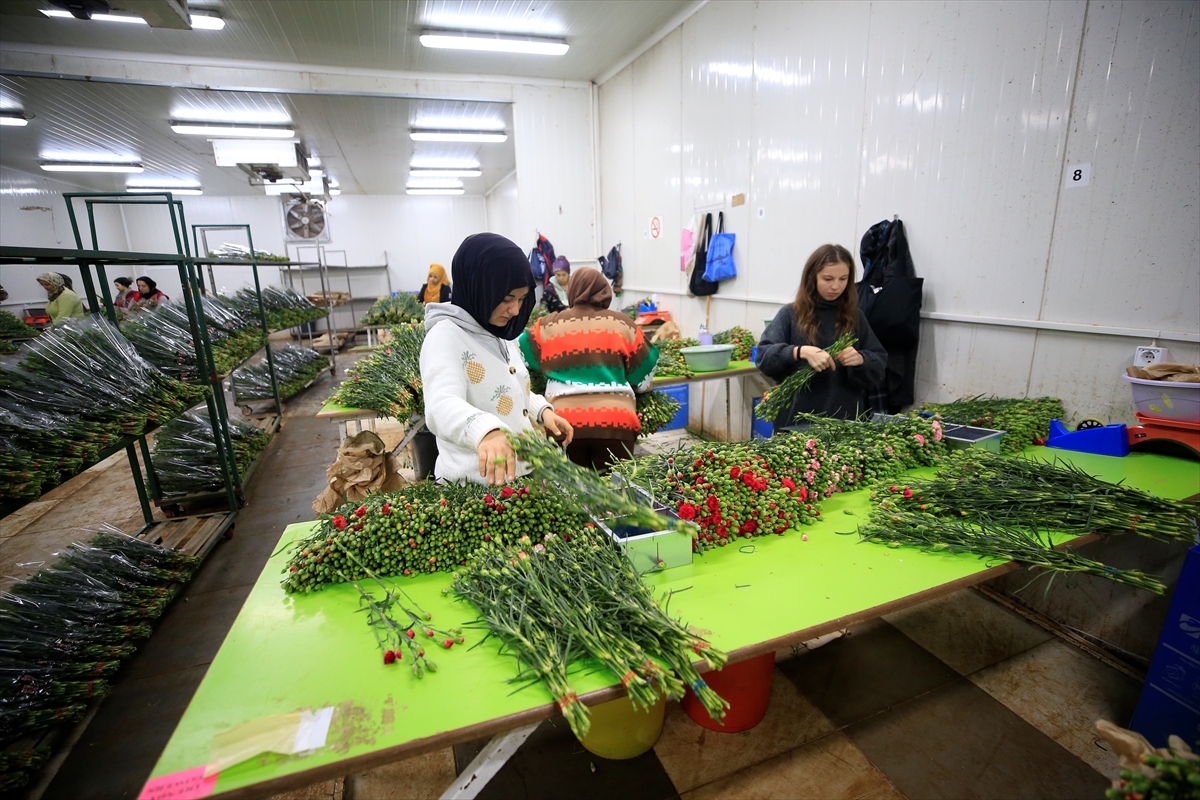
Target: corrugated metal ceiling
column 363, row 142
column 379, row 34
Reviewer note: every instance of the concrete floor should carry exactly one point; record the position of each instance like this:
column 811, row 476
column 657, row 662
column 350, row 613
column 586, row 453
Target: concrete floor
column 957, row 698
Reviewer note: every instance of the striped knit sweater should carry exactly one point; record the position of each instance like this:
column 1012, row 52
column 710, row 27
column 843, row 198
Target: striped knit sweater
column 594, row 360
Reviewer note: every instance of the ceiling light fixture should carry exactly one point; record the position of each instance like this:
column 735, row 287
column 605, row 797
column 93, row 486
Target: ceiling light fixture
column 180, row 190
column 334, row 192
column 435, row 183
column 206, row 22
column 86, row 166
column 444, row 173
column 495, row 43
column 458, row 136
column 242, row 131
column 14, row 118
column 231, row 152
column 434, row 191
column 314, row 161
column 199, row 22
column 56, row 12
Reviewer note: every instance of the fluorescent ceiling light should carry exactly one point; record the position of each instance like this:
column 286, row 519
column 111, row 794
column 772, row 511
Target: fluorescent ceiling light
column 14, row 118
column 444, row 173
column 83, row 166
column 435, row 183
column 181, row 190
column 315, row 173
column 434, row 191
column 495, row 43
column 458, row 136
column 206, row 22
column 201, row 22
column 245, row 131
column 231, row 152
column 314, row 161
column 57, row 12
column 335, row 192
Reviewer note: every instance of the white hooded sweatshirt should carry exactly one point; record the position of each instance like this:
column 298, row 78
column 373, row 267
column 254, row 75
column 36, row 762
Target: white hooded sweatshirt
column 475, row 383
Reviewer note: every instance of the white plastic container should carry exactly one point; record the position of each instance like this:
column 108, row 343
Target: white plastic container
column 1166, row 399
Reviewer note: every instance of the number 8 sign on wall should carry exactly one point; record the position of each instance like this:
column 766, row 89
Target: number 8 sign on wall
column 1078, row 175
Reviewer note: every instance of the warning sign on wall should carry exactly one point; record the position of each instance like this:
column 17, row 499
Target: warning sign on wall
column 656, row 227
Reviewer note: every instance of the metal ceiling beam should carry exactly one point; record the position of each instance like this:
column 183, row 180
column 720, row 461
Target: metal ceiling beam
column 19, row 58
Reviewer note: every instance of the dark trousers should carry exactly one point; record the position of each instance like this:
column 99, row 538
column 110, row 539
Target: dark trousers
column 599, row 454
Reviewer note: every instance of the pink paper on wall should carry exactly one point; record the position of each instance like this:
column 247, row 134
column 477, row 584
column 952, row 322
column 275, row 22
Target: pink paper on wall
column 185, row 785
column 685, row 247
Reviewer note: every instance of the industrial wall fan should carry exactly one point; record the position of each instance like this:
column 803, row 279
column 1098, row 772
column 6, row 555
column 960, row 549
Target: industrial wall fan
column 305, row 220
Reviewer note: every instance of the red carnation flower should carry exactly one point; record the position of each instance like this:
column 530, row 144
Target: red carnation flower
column 389, row 657
column 734, row 471
column 712, row 503
column 487, row 498
column 687, row 511
column 360, row 512
column 907, row 493
column 507, row 492
column 339, row 522
column 386, row 510
column 448, row 644
column 358, row 527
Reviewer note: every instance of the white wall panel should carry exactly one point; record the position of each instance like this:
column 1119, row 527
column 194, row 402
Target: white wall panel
column 552, row 128
column 33, row 213
column 617, row 182
column 955, row 116
column 503, row 209
column 1126, row 248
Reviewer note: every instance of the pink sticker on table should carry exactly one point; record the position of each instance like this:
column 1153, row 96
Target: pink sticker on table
column 184, row 785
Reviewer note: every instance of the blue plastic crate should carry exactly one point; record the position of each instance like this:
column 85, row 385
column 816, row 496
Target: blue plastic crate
column 680, row 394
column 759, row 428
column 1170, row 701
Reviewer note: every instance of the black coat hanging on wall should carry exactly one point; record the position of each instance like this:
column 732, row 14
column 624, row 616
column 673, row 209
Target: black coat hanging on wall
column 889, row 294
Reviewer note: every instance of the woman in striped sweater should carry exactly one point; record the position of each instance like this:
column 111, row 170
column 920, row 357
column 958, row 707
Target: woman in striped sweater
column 594, row 361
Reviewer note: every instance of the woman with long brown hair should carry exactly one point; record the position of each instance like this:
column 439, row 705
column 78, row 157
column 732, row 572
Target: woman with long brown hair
column 825, row 308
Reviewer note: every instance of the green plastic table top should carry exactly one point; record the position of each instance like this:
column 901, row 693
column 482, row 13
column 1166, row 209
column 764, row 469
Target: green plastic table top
column 332, row 410
column 735, row 369
column 289, row 652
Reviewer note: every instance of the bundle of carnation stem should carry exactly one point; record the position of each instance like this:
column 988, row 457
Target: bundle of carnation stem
column 990, row 539
column 779, row 399
column 565, row 598
column 1058, row 496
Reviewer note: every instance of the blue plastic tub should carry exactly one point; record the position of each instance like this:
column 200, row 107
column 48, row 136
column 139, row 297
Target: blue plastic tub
column 680, row 393
column 1170, row 701
column 759, row 428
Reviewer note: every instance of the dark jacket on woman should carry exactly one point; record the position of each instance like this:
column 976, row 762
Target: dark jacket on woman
column 443, row 294
column 840, row 392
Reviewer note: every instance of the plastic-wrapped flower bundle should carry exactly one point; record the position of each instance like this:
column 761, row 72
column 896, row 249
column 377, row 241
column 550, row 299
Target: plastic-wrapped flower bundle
column 64, row 630
column 655, row 410
column 284, row 308
column 91, row 356
column 185, row 453
column 294, row 368
column 162, row 334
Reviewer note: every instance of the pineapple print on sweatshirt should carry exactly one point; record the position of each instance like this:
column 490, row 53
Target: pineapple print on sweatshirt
column 504, row 403
column 475, row 371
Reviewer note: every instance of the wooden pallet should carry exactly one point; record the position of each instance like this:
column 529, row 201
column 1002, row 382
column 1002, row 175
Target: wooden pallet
column 195, row 536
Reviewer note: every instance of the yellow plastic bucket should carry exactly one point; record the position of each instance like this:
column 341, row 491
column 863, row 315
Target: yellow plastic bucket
column 619, row 732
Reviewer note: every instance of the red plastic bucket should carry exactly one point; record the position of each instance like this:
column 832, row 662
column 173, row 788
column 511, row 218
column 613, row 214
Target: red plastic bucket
column 746, row 685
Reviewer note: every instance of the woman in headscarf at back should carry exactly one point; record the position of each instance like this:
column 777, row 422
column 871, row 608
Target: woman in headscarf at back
column 147, row 292
column 62, row 303
column 436, row 288
column 595, row 360
column 476, row 386
column 554, row 296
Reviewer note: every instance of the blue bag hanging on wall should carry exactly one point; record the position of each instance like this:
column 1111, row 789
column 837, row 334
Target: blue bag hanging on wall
column 720, row 266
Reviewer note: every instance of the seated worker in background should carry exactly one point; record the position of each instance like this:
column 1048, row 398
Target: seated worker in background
column 147, row 292
column 62, row 303
column 121, row 298
column 436, row 288
column 476, row 386
column 826, row 306
column 594, row 360
column 554, row 297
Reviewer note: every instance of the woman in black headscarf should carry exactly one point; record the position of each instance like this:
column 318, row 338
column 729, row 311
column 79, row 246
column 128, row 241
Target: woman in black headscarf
column 475, row 383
